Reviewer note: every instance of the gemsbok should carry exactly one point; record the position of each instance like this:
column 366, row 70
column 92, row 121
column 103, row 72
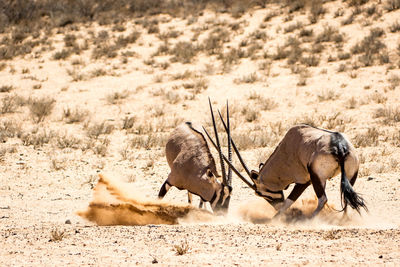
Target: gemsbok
column 193, row 168
column 306, row 155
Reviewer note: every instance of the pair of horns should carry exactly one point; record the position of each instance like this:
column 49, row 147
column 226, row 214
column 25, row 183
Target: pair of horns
column 227, row 180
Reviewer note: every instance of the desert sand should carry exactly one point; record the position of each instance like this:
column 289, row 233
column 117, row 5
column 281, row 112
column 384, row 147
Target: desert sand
column 85, row 101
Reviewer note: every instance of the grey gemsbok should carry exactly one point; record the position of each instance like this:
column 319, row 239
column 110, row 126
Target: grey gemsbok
column 306, row 155
column 193, row 168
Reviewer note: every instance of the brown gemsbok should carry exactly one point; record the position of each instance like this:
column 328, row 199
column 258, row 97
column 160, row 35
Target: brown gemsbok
column 193, row 168
column 306, row 155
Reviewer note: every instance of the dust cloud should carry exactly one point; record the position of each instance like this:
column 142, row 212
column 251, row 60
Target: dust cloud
column 118, row 203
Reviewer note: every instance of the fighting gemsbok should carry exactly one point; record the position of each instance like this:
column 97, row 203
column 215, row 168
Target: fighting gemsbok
column 193, row 167
column 306, row 155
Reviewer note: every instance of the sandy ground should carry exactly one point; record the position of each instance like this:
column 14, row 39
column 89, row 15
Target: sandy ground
column 43, row 187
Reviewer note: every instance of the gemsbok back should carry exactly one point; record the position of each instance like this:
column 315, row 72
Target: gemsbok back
column 193, row 168
column 306, row 155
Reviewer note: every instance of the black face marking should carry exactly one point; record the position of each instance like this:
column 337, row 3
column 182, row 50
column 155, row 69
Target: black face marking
column 270, row 199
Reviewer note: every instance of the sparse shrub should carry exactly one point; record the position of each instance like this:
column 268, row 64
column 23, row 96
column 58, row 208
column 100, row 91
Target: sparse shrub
column 261, row 35
column 370, row 138
column 281, row 53
column 183, row 52
column 58, row 163
column 63, row 54
column 41, row 108
column 310, row 61
column 97, row 129
column 250, row 114
column 100, row 146
column 36, row 137
column 316, row 11
column 70, row 40
column 378, row 98
column 389, row 114
column 269, row 16
column 392, row 5
column 6, row 88
column 128, row 122
column 394, row 81
column 306, row 33
column 249, row 78
column 172, row 97
column 395, row 27
column 8, row 104
column 183, row 75
column 343, row 56
column 370, row 47
column 117, row 97
column 98, row 72
column 148, row 141
column 67, row 141
column 326, row 95
column 292, row 27
column 123, row 41
column 74, row 115
column 352, row 103
column 76, row 75
column 329, row 34
column 9, row 129
column 215, row 40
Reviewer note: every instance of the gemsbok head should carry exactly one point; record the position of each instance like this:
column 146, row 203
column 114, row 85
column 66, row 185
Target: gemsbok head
column 193, row 167
column 306, row 155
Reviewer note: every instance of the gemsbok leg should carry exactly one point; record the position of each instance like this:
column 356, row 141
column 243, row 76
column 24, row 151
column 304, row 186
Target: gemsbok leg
column 319, row 188
column 298, row 189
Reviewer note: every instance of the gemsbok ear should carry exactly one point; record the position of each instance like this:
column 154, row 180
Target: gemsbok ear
column 254, row 176
column 209, row 173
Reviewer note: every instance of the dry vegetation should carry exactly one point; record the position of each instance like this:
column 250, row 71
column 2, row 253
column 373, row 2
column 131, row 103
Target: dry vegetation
column 93, row 85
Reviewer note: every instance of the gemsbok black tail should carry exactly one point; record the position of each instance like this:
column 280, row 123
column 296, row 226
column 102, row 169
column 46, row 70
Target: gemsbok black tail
column 340, row 148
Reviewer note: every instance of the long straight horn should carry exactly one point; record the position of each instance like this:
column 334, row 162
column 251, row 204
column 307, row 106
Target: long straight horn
column 234, row 146
column 224, row 181
column 251, row 185
column 229, row 144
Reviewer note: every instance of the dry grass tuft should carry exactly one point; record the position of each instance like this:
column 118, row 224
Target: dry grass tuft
column 56, row 235
column 369, row 138
column 8, row 104
column 117, row 97
column 74, row 115
column 390, row 115
column 327, row 95
column 97, row 129
column 182, row 248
